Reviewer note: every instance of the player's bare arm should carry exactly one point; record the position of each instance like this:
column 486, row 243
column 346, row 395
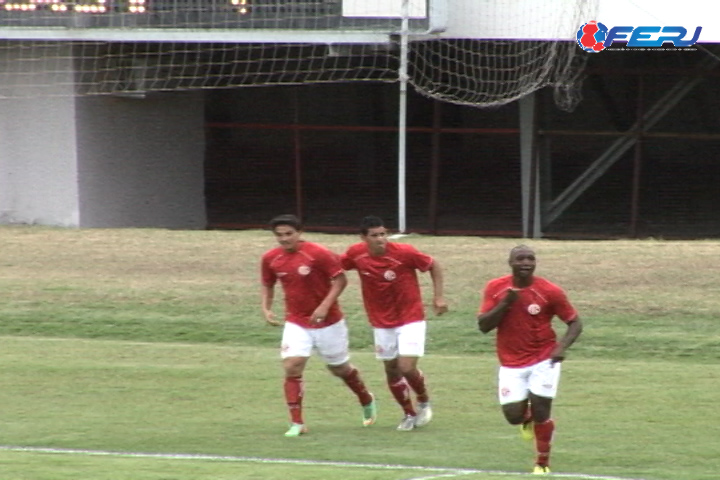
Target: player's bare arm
column 574, row 329
column 338, row 285
column 268, row 294
column 491, row 319
column 440, row 306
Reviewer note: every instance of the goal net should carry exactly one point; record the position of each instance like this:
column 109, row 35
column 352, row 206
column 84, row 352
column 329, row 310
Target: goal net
column 471, row 52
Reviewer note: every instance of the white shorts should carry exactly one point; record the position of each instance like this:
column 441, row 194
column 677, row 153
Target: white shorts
column 406, row 341
column 331, row 342
column 541, row 379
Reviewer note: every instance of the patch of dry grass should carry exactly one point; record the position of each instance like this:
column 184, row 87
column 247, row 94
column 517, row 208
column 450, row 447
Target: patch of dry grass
column 646, row 297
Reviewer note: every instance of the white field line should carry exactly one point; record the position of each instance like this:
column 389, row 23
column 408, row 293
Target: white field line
column 442, row 475
column 435, row 472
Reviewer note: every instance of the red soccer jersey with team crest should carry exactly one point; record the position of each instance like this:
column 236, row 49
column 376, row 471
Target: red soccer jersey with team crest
column 525, row 335
column 306, row 276
column 390, row 288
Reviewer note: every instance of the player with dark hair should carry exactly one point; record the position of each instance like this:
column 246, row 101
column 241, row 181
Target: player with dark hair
column 392, row 297
column 521, row 307
column 312, row 280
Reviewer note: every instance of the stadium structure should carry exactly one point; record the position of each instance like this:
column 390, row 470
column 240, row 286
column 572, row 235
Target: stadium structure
column 482, row 117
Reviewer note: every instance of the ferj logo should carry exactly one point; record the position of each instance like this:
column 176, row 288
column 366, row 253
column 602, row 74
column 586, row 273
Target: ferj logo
column 595, row 37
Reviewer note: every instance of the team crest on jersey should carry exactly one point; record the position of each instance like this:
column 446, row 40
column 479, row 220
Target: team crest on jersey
column 389, row 275
column 303, row 270
column 533, row 309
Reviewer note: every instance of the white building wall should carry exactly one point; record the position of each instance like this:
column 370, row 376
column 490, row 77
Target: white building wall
column 550, row 19
column 98, row 161
column 140, row 161
column 38, row 165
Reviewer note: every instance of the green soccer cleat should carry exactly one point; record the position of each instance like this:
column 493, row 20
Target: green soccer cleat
column 370, row 412
column 541, row 470
column 296, row 429
column 527, row 432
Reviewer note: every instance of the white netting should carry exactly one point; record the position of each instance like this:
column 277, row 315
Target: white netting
column 66, row 48
column 507, row 50
column 491, row 73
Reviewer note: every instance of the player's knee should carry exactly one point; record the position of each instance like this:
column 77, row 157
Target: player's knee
column 293, row 367
column 514, row 419
column 541, row 408
column 408, row 367
column 541, row 415
column 392, row 372
column 514, row 413
column 342, row 370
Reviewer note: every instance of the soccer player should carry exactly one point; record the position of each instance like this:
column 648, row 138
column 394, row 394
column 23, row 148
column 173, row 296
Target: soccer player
column 521, row 307
column 393, row 303
column 312, row 280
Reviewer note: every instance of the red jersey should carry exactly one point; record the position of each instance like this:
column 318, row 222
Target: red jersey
column 525, row 335
column 390, row 288
column 306, row 276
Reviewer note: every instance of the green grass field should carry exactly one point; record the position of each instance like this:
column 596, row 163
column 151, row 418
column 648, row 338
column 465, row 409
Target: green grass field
column 142, row 354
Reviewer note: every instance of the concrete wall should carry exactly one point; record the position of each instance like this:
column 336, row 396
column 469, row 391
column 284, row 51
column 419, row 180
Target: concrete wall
column 140, row 161
column 38, row 163
column 98, row 161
